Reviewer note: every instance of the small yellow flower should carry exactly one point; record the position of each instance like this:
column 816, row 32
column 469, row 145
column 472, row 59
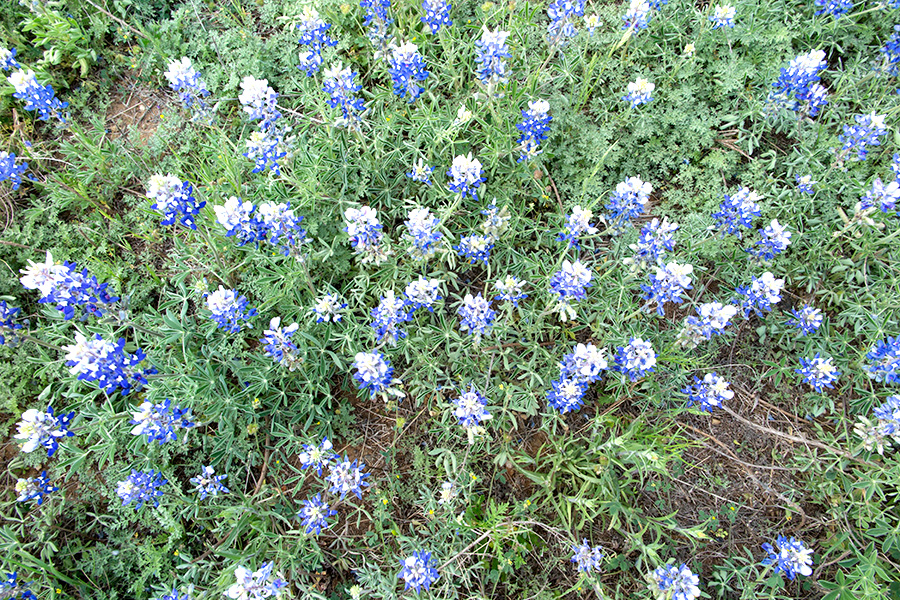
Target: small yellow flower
column 384, row 501
column 176, row 553
column 252, row 428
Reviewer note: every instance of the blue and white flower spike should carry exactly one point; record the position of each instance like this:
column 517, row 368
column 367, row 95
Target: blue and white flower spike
column 667, row 285
column 8, row 59
column 328, row 308
column 636, row 359
column 640, row 91
column 339, row 82
column 491, row 53
column 407, row 68
column 10, row 171
column 587, row 558
column 437, row 14
column 465, row 176
column 761, row 295
column 808, row 319
column 708, row 393
column 627, row 202
column 509, row 289
column 114, row 369
column 38, row 428
column 818, row 372
column 37, row 97
column 314, row 514
column 185, row 79
column 791, row 557
column 476, row 316
column 418, row 571
column 534, row 127
column 160, row 421
column 347, row 477
column 229, row 309
column 256, row 585
column 570, row 284
column 775, row 239
column 420, row 231
column 868, row 131
column 207, row 483
column 374, row 374
column 723, row 16
column 313, row 36
column 174, row 199
column 318, row 457
column 884, row 357
column 670, row 582
column 141, row 487
column 34, row 488
column 736, row 211
column 277, row 344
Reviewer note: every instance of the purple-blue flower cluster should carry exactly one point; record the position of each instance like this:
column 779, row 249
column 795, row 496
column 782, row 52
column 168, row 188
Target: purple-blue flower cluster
column 365, row 233
column 491, row 53
column 421, row 173
column 185, row 79
column 422, row 293
column 406, row 68
column 476, row 317
column 67, row 288
column 207, row 483
column 835, row 8
column 37, row 97
column 471, row 408
column 313, row 35
column 791, row 557
column 799, row 84
column 8, row 59
column 328, row 308
column 534, row 127
column 465, row 176
column 387, row 318
column 114, row 369
column 587, row 558
column 8, row 326
column 314, row 514
column 818, row 372
column 655, row 240
column 635, row 359
column 890, row 65
column 267, row 145
column 418, row 571
column 808, row 319
column 577, row 224
column 229, row 309
column 374, row 374
column 709, row 392
column 775, row 239
column 627, row 202
column 275, row 224
column 318, row 457
column 141, row 487
column 174, row 199
column 377, row 21
column 562, row 15
column 866, row 132
column 34, row 488
column 12, row 589
column 736, row 211
column 509, row 289
column 884, row 361
column 570, row 284
column 762, row 293
column 723, row 17
column 638, row 15
column 667, row 285
column 885, row 197
column 675, row 582
column 437, row 14
column 339, row 83
column 475, row 248
column 37, row 428
column 420, row 227
column 805, row 184
column 10, row 171
column 347, row 477
column 277, row 344
column 577, row 370
column 160, row 421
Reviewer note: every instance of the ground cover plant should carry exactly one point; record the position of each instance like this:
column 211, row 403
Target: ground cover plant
column 453, row 300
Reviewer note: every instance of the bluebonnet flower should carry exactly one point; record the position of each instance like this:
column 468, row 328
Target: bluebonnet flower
column 437, row 14
column 723, row 16
column 185, row 79
column 490, row 55
column 585, row 363
column 339, row 83
column 422, row 293
column 465, row 176
column 107, row 363
column 418, row 571
column 275, row 224
column 279, row 346
column 709, row 393
column 175, row 595
column 637, row 16
column 10, row 171
column 236, row 217
column 736, row 211
column 534, row 126
column 807, row 319
column 260, row 101
column 313, row 35
column 377, row 21
column 835, row 8
column 895, row 166
column 34, row 488
column 265, row 148
column 475, row 248
column 8, row 59
column 761, row 294
column 805, row 184
column 365, row 233
column 713, row 319
column 420, row 227
column 566, row 394
column 655, row 240
column 141, row 487
column 627, row 202
column 66, row 287
column 328, row 308
column 314, row 515
column 667, row 285
column 346, row 477
column 791, row 558
column 496, row 221
column 888, row 415
column 570, row 283
column 669, row 582
column 577, row 224
column 891, row 50
column 174, row 199
column 635, row 359
column 476, row 316
column 509, row 289
column 592, row 22
column 798, row 83
column 818, row 372
column 885, row 197
column 775, row 240
column 640, row 91
column 449, row 491
column 387, row 317
column 256, row 585
column 229, row 309
column 562, row 14
column 318, row 457
column 160, row 421
column 14, row 590
column 37, row 428
column 406, row 68
column 471, row 408
column 587, row 558
column 374, row 374
column 8, row 326
column 884, row 357
column 421, row 173
column 37, row 97
column 207, row 483
column 866, row 132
